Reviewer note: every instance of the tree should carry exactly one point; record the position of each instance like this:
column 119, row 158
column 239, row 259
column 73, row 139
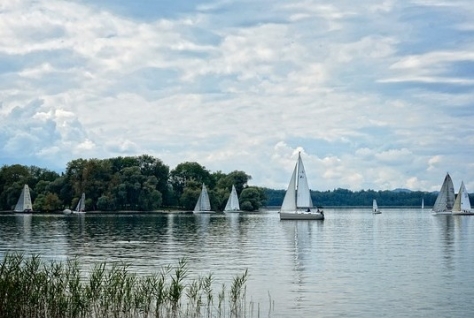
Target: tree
column 252, row 198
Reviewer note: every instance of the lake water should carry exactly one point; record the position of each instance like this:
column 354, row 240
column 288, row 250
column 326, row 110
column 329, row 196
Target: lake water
column 402, row 263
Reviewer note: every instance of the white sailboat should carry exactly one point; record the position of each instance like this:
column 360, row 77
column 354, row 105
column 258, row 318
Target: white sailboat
column 297, row 203
column 81, row 205
column 422, row 203
column 24, row 204
column 203, row 205
column 232, row 205
column 375, row 208
column 445, row 201
column 462, row 204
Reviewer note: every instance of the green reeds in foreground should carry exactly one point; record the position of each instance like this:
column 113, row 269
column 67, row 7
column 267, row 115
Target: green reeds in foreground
column 31, row 287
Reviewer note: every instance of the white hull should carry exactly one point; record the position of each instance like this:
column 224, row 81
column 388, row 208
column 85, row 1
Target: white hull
column 463, row 213
column 232, row 211
column 67, row 211
column 441, row 213
column 75, row 212
column 301, row 216
column 204, row 212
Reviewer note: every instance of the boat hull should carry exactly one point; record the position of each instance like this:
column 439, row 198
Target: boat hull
column 463, row 213
column 203, row 212
column 232, row 211
column 441, row 213
column 301, row 216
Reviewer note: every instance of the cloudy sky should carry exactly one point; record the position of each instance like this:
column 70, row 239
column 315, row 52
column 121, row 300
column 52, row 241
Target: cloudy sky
column 377, row 95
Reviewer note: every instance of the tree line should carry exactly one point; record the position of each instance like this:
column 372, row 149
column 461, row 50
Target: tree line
column 140, row 183
column 145, row 183
column 345, row 197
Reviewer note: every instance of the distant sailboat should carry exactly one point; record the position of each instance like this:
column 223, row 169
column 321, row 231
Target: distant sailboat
column 297, row 203
column 445, row 201
column 203, row 205
column 81, row 205
column 462, row 204
column 232, row 205
column 422, row 203
column 375, row 207
column 24, row 204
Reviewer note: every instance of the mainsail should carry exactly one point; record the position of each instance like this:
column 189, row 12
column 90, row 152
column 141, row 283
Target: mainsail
column 233, row 201
column 445, row 200
column 203, row 203
column 24, row 201
column 81, row 205
column 462, row 202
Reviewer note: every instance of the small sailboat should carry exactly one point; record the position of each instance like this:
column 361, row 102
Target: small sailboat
column 375, row 207
column 81, row 205
column 297, row 203
column 422, row 203
column 24, row 204
column 203, row 205
column 445, row 201
column 232, row 205
column 462, row 204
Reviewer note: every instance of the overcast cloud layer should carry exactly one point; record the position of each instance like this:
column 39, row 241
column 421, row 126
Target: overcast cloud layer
column 376, row 95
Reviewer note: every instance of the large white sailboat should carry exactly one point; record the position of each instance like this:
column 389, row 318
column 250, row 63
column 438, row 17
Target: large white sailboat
column 462, row 204
column 297, row 203
column 445, row 201
column 203, row 205
column 232, row 205
column 375, row 207
column 24, row 204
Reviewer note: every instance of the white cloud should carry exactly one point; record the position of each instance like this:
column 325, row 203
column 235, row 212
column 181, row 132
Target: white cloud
column 365, row 100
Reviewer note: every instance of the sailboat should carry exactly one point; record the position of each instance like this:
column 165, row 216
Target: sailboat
column 462, row 204
column 422, row 203
column 445, row 201
column 81, row 205
column 375, row 208
column 297, row 203
column 232, row 205
column 24, row 204
column 203, row 205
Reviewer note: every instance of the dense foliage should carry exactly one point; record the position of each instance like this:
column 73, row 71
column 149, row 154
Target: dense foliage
column 124, row 183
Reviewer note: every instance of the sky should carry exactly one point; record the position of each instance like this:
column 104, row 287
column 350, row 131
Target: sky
column 374, row 95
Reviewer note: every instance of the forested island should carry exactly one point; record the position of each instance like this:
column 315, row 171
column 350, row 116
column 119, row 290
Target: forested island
column 145, row 183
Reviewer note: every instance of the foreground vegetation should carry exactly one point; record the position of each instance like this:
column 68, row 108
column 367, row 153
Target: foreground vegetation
column 31, row 287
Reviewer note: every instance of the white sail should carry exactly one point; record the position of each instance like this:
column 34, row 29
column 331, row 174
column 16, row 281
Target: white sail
column 374, row 205
column 203, row 204
column 81, row 205
column 233, row 201
column 445, row 200
column 303, row 195
column 289, row 201
column 297, row 202
column 462, row 202
column 24, row 201
column 422, row 203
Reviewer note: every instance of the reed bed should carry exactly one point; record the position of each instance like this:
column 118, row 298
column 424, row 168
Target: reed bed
column 32, row 287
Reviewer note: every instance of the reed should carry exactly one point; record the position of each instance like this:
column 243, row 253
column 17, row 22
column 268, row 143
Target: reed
column 31, row 287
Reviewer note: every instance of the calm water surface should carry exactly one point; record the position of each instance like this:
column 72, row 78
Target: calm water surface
column 402, row 263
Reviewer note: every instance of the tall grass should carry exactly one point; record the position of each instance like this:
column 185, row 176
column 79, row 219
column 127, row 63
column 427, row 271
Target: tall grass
column 31, row 287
